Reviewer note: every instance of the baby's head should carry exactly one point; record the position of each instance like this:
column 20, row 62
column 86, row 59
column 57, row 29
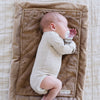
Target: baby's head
column 56, row 22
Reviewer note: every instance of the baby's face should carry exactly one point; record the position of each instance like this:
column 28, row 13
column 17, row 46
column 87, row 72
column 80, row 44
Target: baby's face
column 62, row 27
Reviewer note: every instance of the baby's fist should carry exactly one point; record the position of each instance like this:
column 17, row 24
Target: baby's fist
column 73, row 32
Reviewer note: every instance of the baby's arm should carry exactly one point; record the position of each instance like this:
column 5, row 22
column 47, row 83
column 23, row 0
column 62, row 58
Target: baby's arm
column 58, row 44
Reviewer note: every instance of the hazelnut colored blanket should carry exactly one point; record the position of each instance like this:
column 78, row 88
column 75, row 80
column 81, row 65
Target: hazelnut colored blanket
column 26, row 38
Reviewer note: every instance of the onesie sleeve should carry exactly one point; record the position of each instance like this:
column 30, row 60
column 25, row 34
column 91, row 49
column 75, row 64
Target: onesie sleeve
column 58, row 44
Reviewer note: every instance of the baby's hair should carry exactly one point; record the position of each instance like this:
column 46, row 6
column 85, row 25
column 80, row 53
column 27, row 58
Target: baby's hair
column 51, row 17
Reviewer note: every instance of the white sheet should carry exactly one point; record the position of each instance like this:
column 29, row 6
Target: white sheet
column 92, row 83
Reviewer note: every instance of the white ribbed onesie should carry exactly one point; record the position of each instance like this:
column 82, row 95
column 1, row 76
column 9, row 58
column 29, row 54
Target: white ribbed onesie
column 48, row 59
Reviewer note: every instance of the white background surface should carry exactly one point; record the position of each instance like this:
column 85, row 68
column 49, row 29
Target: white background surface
column 92, row 81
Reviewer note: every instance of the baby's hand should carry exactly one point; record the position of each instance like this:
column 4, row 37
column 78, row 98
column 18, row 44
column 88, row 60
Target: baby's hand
column 73, row 32
column 70, row 36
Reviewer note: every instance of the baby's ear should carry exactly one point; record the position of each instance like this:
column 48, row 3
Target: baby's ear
column 53, row 26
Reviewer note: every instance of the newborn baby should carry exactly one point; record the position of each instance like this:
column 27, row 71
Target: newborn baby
column 43, row 79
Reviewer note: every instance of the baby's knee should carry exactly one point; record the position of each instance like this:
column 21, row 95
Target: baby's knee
column 59, row 84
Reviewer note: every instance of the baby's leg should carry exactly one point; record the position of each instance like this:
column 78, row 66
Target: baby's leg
column 52, row 84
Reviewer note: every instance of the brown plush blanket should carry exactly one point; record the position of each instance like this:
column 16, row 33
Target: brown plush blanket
column 26, row 38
